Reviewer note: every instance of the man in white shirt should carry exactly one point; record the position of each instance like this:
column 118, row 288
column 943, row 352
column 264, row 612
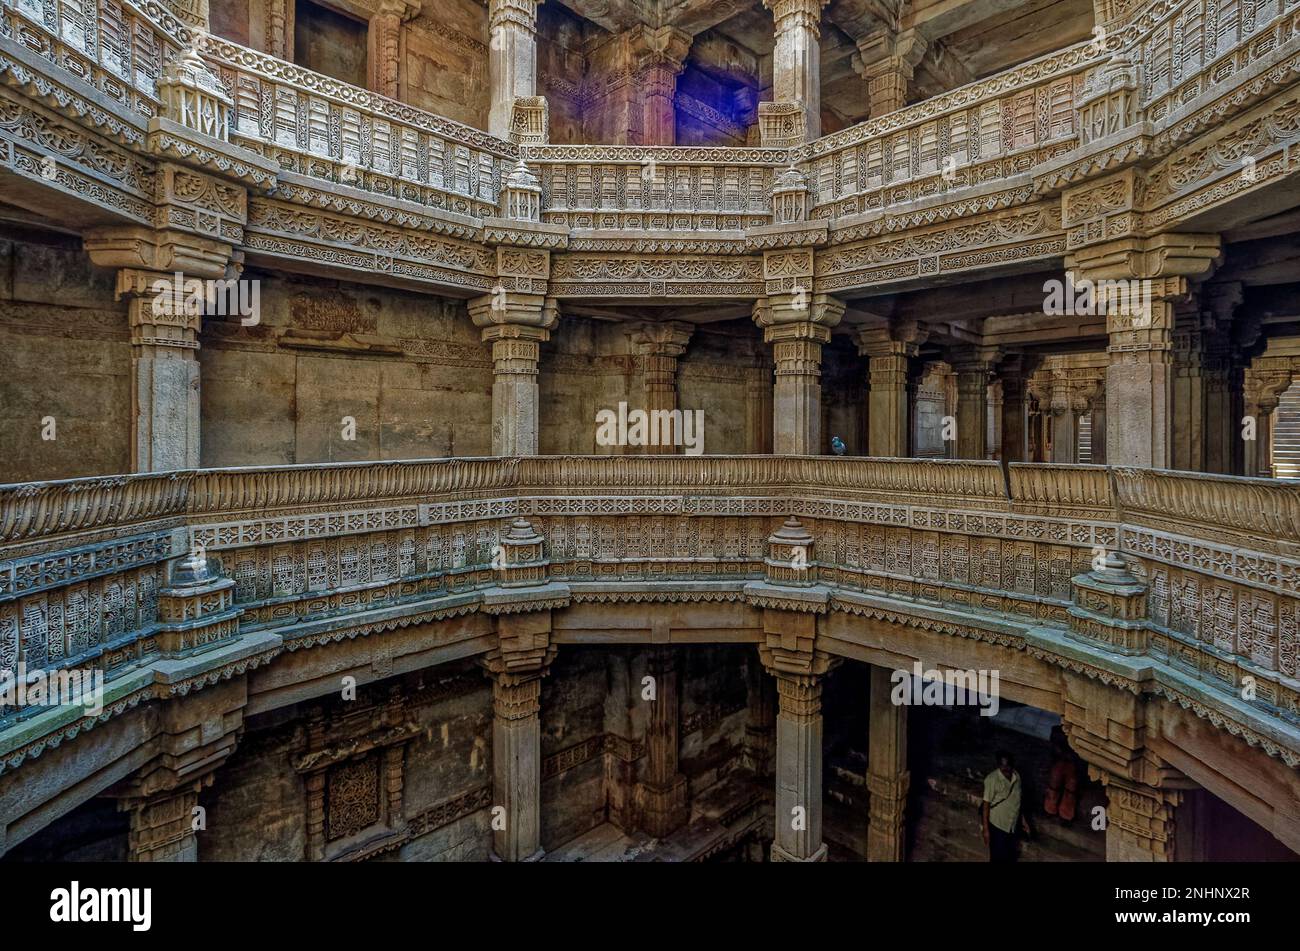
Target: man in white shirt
column 1001, row 810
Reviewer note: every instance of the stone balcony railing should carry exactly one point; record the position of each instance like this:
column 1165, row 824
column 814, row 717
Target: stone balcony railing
column 979, row 139
column 706, row 192
column 305, row 556
column 333, row 133
column 995, row 173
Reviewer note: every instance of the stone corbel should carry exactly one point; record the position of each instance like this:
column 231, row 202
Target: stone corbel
column 193, row 740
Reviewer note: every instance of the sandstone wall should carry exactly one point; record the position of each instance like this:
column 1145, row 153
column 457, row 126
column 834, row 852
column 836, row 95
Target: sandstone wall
column 444, row 65
column 560, row 69
column 404, row 374
column 409, row 369
column 64, row 353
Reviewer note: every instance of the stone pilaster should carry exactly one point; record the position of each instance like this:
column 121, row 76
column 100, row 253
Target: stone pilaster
column 797, row 325
column 889, row 351
column 661, row 795
column 888, row 779
column 385, row 36
column 658, row 345
column 974, row 369
column 794, row 115
column 516, row 668
column 512, row 60
column 1147, row 276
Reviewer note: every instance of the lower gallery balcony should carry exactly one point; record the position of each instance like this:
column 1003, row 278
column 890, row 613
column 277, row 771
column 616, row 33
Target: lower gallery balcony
column 648, row 658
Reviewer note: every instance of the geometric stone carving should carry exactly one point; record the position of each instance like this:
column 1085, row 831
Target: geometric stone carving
column 1110, row 607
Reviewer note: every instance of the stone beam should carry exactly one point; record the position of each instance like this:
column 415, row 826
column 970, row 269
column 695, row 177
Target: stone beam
column 944, row 17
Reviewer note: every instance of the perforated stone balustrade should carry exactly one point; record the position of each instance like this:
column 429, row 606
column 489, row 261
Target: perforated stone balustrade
column 103, row 572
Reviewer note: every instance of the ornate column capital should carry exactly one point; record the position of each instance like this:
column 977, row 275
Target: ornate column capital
column 660, row 338
column 662, row 48
column 517, row 13
column 898, row 339
column 798, row 316
column 797, row 14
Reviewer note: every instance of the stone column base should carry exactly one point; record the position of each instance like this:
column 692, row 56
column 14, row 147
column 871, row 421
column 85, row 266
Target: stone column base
column 664, row 809
column 781, row 855
column 535, row 857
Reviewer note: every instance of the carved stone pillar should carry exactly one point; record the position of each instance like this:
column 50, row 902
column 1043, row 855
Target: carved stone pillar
column 659, row 345
column 658, row 56
column 385, row 37
column 1223, row 377
column 886, row 61
column 974, row 369
column 1264, row 386
column 796, row 71
column 516, row 668
column 662, row 794
column 1015, row 409
column 889, row 351
column 517, row 317
column 791, row 601
column 163, row 825
column 1065, row 433
column 760, row 722
column 1108, row 728
column 797, row 325
column 165, row 410
column 1189, row 385
column 161, row 277
column 192, row 740
column 515, row 325
column 1098, row 410
column 1139, row 819
column 279, row 29
column 758, row 409
column 887, row 777
column 512, row 60
column 798, row 756
column 1148, row 275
